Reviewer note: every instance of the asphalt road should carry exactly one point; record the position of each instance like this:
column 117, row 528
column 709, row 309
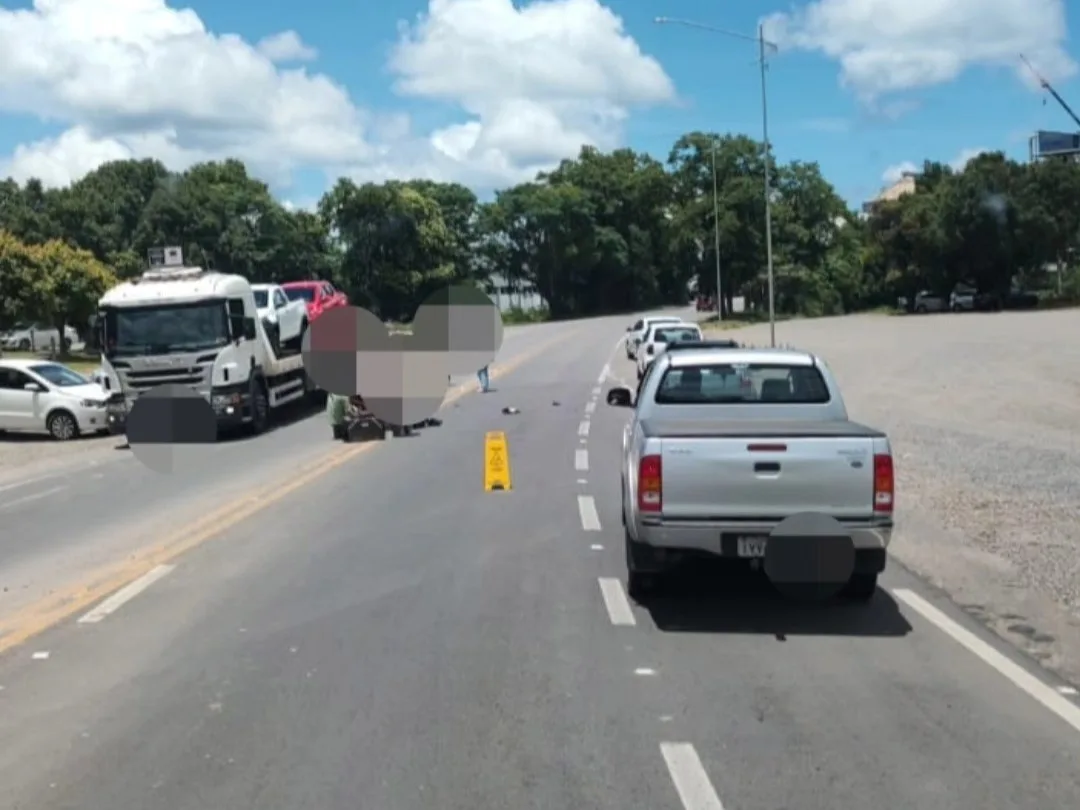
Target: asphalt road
column 391, row 636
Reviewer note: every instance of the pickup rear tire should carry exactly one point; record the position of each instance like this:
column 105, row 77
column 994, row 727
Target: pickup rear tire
column 639, row 584
column 860, row 588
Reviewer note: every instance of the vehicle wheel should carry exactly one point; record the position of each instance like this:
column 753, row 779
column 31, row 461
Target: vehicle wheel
column 24, row 345
column 921, row 309
column 640, row 585
column 260, row 410
column 860, row 588
column 62, row 426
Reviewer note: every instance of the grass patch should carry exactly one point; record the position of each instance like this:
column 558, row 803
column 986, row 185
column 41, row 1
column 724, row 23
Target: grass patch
column 77, row 361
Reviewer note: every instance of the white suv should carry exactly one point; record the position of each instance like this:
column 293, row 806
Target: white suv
column 635, row 333
column 657, row 339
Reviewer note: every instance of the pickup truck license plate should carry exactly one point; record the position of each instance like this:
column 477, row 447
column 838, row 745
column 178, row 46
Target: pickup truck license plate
column 751, row 546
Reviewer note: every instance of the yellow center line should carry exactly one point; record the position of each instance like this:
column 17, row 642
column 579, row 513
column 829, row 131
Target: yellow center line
column 76, row 597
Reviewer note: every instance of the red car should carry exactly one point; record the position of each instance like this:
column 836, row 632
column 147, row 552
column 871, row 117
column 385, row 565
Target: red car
column 318, row 295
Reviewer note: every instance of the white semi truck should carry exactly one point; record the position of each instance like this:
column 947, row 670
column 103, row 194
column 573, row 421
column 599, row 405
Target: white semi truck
column 193, row 327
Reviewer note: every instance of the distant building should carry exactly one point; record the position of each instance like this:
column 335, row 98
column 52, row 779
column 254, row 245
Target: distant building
column 521, row 295
column 902, row 187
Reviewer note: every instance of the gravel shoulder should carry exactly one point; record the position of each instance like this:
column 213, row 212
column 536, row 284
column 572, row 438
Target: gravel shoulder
column 984, row 415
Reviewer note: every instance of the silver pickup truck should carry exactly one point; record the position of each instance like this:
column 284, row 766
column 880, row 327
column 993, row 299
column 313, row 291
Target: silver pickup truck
column 725, row 445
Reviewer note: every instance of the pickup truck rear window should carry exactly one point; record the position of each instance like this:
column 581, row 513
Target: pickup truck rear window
column 742, row 383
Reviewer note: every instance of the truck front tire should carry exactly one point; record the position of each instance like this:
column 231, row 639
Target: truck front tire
column 260, row 409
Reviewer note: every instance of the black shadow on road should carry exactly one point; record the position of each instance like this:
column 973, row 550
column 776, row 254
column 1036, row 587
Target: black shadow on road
column 731, row 599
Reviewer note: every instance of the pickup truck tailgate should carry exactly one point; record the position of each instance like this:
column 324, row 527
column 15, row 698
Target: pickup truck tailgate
column 768, row 472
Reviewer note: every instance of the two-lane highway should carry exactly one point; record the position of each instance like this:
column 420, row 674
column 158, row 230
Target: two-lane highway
column 392, row 636
column 70, row 526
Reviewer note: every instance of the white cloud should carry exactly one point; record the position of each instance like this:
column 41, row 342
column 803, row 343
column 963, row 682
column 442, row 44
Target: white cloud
column 960, row 162
column 286, row 47
column 537, row 81
column 894, row 173
column 887, row 46
column 141, row 79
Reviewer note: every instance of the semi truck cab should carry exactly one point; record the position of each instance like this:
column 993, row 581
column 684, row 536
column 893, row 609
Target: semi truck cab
column 184, row 325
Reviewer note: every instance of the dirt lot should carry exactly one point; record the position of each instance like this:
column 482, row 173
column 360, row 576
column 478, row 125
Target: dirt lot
column 984, row 414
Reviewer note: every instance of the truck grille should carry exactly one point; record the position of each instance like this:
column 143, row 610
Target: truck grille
column 139, row 376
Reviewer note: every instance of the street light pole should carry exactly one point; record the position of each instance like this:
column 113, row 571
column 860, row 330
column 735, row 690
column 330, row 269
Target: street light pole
column 716, row 231
column 768, row 185
column 764, row 45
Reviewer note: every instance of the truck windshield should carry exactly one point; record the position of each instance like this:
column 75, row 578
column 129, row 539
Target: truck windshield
column 262, row 298
column 166, row 329
column 737, row 383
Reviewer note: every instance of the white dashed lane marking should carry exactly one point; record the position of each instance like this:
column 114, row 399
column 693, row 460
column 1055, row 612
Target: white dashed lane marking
column 590, row 407
column 583, row 428
column 581, row 460
column 125, row 595
column 590, row 518
column 37, row 496
column 688, row 774
column 1020, row 677
column 618, row 606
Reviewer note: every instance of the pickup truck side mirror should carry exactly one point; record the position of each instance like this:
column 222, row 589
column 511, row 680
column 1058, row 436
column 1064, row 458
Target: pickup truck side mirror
column 620, row 397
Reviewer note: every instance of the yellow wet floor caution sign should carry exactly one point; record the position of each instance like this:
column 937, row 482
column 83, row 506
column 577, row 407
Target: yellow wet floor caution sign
column 496, row 461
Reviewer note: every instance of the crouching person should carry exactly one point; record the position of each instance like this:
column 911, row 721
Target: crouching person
column 337, row 412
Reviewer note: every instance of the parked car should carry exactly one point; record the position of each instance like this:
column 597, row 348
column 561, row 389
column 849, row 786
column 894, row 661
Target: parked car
column 285, row 319
column 37, row 337
column 725, row 444
column 659, row 337
column 962, row 299
column 636, row 332
column 319, row 296
column 41, row 396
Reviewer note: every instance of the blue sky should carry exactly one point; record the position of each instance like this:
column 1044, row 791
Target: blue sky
column 894, row 109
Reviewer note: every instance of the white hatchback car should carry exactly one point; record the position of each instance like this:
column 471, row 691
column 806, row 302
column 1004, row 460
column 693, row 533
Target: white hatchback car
column 42, row 396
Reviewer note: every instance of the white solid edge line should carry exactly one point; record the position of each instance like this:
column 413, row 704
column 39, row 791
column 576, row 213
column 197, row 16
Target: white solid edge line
column 1019, row 676
column 688, row 774
column 35, row 497
column 583, row 428
column 616, row 603
column 581, row 459
column 125, row 595
column 590, row 518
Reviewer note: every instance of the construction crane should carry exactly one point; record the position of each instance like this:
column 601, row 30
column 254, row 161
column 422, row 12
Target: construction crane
column 1049, row 89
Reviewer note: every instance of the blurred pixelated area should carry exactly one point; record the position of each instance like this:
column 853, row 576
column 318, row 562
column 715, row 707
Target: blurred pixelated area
column 402, row 376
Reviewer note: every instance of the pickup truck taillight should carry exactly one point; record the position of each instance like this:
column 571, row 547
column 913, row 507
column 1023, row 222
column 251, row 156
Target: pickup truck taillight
column 650, row 484
column 883, row 483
